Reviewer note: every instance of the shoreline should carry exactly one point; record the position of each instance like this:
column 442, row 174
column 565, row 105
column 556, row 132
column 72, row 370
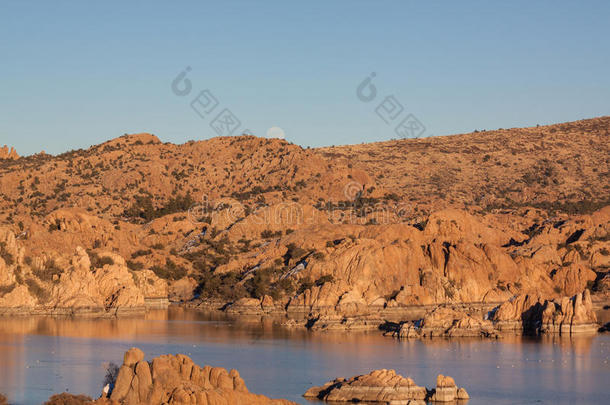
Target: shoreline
column 383, row 321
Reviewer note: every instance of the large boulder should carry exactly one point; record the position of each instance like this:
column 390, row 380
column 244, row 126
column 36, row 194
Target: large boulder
column 447, row 391
column 382, row 386
column 386, row 387
column 177, row 380
column 117, row 286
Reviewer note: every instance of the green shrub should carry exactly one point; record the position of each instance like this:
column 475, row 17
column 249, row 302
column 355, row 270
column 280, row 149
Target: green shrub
column 304, row 285
column 294, row 252
column 285, row 285
column 56, row 226
column 170, row 271
column 144, row 208
column 6, row 256
column 97, row 261
column 266, row 234
column 318, row 255
column 225, row 286
column 140, row 252
column 36, row 290
column 260, row 284
column 49, row 270
column 6, row 289
column 328, row 278
column 133, row 265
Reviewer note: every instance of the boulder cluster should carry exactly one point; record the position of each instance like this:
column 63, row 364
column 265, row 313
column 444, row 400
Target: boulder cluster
column 527, row 314
column 386, row 387
column 86, row 283
column 170, row 380
column 444, row 322
column 8, row 153
column 532, row 314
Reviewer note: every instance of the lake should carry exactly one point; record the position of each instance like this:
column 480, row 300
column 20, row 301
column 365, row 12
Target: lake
column 40, row 356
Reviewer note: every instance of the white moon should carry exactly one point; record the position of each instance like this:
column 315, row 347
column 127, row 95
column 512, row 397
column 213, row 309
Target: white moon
column 276, row 132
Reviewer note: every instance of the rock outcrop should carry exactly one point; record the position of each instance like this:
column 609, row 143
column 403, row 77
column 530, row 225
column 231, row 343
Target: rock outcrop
column 378, row 386
column 177, row 380
column 84, row 283
column 532, row 314
column 8, row 153
column 447, row 391
column 69, row 399
column 444, row 322
column 343, row 232
column 386, row 387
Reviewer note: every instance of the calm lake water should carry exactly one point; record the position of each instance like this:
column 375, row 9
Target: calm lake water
column 40, row 356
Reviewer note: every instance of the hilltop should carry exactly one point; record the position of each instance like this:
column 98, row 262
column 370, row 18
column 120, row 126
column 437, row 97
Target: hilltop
column 563, row 167
column 268, row 225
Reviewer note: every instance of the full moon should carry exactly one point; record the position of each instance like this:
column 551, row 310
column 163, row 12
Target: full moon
column 276, row 132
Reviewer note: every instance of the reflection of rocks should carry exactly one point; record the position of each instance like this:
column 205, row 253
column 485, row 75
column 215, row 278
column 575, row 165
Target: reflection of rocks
column 444, row 322
column 178, row 380
column 385, row 386
column 3, row 400
column 534, row 315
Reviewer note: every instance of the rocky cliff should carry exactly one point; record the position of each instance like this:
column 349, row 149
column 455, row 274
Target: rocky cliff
column 264, row 226
column 86, row 283
column 532, row 314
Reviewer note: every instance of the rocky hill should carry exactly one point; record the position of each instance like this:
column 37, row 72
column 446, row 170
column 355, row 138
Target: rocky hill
column 268, row 226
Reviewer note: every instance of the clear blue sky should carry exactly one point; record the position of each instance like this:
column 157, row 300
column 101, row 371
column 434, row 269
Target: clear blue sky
column 76, row 73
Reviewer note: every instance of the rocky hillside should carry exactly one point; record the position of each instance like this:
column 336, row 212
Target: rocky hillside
column 269, row 226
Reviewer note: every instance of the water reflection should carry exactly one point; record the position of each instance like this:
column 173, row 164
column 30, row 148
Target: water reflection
column 42, row 355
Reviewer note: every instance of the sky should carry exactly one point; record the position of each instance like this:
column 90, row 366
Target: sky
column 77, row 73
